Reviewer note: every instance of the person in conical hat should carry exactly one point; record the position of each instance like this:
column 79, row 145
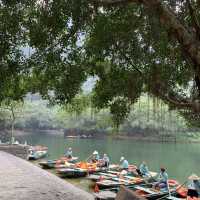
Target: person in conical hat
column 123, row 163
column 193, row 186
column 106, row 160
column 69, row 153
column 95, row 152
column 193, row 177
column 95, row 157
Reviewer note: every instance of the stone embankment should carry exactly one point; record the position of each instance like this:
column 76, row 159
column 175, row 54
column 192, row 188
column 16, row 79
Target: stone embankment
column 20, row 151
column 21, row 180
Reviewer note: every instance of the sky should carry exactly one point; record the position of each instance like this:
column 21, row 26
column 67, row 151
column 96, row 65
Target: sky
column 89, row 84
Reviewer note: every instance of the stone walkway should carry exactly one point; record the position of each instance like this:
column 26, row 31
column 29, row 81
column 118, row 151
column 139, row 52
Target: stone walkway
column 21, row 180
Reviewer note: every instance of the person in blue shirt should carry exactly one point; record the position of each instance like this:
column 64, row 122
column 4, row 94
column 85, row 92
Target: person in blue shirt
column 162, row 179
column 69, row 153
column 193, row 186
column 143, row 169
column 123, row 163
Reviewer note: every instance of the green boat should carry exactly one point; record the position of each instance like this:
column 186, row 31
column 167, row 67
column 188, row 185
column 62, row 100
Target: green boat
column 72, row 173
column 48, row 164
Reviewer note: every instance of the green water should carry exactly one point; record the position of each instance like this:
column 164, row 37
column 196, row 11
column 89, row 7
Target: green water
column 180, row 160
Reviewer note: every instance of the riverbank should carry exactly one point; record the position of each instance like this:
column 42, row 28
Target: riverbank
column 19, row 132
column 177, row 138
column 187, row 138
column 21, row 180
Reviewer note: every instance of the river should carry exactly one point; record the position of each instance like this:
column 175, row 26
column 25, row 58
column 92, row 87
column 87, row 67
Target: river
column 179, row 159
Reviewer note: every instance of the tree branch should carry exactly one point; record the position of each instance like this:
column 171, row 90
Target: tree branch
column 114, row 2
column 167, row 18
column 194, row 18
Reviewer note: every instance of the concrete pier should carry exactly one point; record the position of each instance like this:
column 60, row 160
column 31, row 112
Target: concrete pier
column 21, row 180
column 16, row 150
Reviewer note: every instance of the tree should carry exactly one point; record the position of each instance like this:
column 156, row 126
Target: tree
column 132, row 46
column 13, row 110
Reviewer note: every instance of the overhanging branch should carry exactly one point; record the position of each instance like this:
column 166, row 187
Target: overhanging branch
column 167, row 18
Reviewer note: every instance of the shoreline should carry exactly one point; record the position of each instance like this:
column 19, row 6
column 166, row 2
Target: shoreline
column 155, row 139
column 139, row 138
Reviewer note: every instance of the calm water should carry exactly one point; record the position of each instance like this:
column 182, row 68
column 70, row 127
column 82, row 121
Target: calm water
column 180, row 159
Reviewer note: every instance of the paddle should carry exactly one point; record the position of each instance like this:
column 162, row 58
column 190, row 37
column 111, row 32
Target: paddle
column 88, row 157
column 146, row 178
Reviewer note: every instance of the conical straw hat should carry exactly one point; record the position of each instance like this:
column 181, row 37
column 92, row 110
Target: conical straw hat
column 193, row 177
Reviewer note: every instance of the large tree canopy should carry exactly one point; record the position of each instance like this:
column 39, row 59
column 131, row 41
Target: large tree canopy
column 132, row 46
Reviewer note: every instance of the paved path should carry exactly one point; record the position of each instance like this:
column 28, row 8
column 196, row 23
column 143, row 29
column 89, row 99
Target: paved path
column 21, row 180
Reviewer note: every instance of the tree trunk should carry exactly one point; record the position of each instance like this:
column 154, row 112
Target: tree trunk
column 12, row 124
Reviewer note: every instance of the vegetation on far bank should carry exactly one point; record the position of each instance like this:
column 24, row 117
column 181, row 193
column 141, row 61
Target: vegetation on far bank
column 150, row 117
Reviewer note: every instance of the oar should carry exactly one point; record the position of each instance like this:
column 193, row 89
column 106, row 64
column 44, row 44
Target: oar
column 128, row 186
column 152, row 177
column 88, row 157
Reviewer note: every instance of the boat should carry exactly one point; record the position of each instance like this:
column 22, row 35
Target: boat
column 132, row 173
column 60, row 163
column 111, row 187
column 105, row 175
column 148, row 192
column 116, row 176
column 73, row 136
column 116, row 182
column 72, row 173
column 80, row 169
column 90, row 167
column 48, row 164
column 100, row 176
column 37, row 152
column 64, row 159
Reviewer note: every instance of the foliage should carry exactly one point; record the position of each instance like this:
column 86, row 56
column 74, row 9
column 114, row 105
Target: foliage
column 148, row 117
column 119, row 109
column 151, row 47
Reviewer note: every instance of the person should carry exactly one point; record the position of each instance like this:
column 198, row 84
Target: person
column 106, row 160
column 193, row 186
column 69, row 153
column 143, row 169
column 162, row 179
column 123, row 163
column 95, row 156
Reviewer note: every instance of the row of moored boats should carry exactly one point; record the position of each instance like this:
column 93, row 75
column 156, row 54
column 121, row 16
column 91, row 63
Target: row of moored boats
column 107, row 178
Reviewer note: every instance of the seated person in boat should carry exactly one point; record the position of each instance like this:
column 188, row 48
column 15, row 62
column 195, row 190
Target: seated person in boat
column 69, row 153
column 106, row 160
column 123, row 163
column 193, row 186
column 162, row 179
column 95, row 156
column 143, row 169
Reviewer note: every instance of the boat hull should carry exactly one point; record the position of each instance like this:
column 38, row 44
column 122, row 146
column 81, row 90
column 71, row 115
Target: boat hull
column 72, row 173
column 37, row 156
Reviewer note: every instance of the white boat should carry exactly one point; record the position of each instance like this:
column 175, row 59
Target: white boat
column 37, row 152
